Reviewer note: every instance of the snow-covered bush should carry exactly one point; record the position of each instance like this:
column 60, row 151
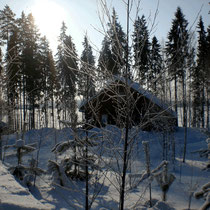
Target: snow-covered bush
column 27, row 174
column 164, row 180
column 204, row 193
column 72, row 160
column 205, row 189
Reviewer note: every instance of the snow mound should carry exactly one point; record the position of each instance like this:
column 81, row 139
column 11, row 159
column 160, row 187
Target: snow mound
column 160, row 205
column 13, row 195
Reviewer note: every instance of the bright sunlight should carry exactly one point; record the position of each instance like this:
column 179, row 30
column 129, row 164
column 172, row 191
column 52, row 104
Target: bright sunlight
column 48, row 17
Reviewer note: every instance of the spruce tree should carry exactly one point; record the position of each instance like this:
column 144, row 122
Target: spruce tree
column 156, row 66
column 87, row 71
column 141, row 49
column 202, row 72
column 105, row 61
column 67, row 70
column 1, row 64
column 177, row 53
column 118, row 43
column 208, row 77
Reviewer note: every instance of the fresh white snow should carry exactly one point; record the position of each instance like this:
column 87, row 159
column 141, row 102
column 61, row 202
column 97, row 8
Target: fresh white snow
column 13, row 195
column 49, row 195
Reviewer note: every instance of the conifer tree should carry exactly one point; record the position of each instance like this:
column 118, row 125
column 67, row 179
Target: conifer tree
column 118, row 42
column 177, row 53
column 87, row 71
column 12, row 74
column 202, row 70
column 7, row 22
column 1, row 61
column 8, row 36
column 30, row 63
column 67, row 70
column 208, row 78
column 141, row 49
column 49, row 82
column 156, row 64
column 105, row 61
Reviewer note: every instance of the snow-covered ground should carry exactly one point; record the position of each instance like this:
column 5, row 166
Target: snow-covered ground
column 13, row 195
column 50, row 195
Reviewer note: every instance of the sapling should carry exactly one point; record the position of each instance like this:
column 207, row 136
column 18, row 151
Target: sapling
column 164, row 180
column 32, row 172
column 73, row 165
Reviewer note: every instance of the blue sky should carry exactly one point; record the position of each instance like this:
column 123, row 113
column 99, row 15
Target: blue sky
column 82, row 16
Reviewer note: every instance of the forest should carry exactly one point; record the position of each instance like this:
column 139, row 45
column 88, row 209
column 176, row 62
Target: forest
column 40, row 90
column 38, row 87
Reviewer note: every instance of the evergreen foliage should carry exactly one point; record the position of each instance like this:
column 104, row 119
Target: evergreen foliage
column 141, row 49
column 155, row 75
column 118, row 44
column 105, row 61
column 7, row 23
column 177, row 52
column 200, row 76
column 67, row 67
column 86, row 86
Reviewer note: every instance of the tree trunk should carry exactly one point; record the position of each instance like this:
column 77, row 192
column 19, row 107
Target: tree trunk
column 184, row 117
column 175, row 96
column 125, row 151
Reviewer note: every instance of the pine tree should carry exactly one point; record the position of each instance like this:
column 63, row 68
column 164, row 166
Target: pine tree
column 49, row 83
column 52, row 85
column 12, row 73
column 87, row 71
column 141, row 49
column 8, row 36
column 30, row 64
column 7, row 22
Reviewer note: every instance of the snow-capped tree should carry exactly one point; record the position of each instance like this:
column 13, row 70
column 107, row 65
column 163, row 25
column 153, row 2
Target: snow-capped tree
column 73, row 163
column 164, row 179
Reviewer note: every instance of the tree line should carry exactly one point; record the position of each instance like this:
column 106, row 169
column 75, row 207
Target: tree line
column 40, row 88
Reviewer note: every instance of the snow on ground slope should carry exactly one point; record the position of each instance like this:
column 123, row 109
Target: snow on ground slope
column 13, row 195
column 189, row 175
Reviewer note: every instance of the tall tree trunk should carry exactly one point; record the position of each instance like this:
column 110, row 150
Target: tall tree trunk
column 125, row 151
column 175, row 95
column 203, row 108
column 52, row 106
column 184, row 117
column 207, row 109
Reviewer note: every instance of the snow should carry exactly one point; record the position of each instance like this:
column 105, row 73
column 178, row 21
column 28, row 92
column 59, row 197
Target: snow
column 20, row 143
column 190, row 176
column 13, row 195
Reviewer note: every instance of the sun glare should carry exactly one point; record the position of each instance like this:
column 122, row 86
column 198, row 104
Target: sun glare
column 48, row 17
